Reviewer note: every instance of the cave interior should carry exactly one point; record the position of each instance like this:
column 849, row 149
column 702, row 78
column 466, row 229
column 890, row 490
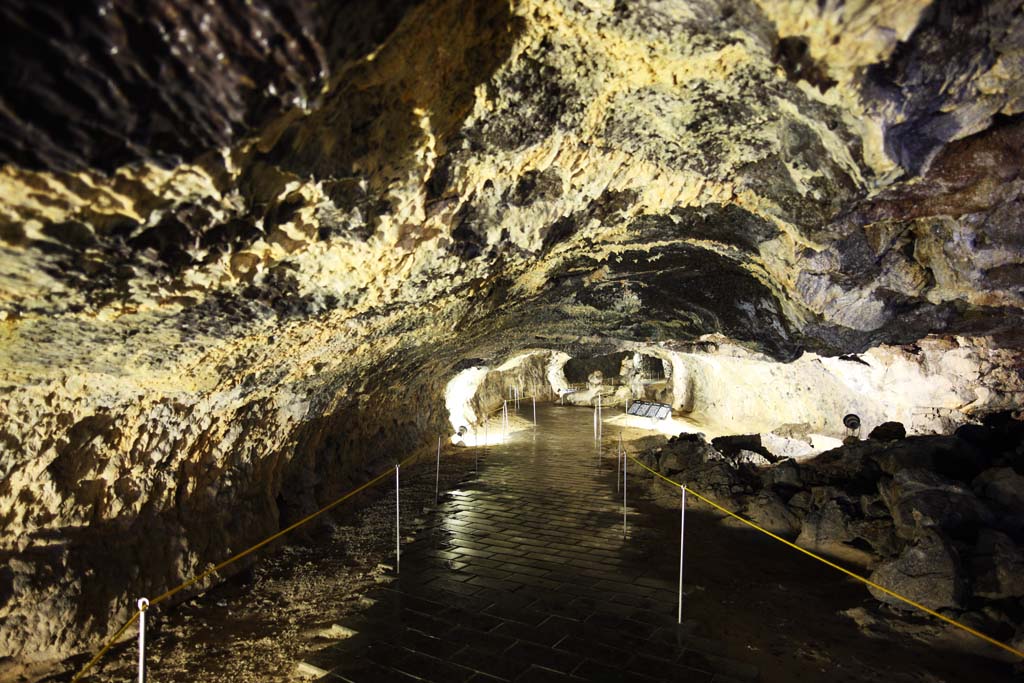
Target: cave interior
column 251, row 249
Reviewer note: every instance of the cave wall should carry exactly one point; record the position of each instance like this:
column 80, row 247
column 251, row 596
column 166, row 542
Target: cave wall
column 114, row 491
column 243, row 249
column 932, row 386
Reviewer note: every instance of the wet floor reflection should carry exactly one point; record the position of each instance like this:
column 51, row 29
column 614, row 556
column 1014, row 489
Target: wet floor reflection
column 523, row 574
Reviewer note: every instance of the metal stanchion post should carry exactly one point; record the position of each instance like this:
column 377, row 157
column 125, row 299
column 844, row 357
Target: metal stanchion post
column 625, row 468
column 534, row 411
column 398, row 531
column 682, row 530
column 618, row 465
column 143, row 604
column 437, row 475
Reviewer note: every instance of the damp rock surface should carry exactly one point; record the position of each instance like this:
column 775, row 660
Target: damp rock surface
column 927, row 517
column 244, row 247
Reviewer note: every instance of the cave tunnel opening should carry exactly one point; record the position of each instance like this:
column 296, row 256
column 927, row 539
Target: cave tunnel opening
column 796, row 407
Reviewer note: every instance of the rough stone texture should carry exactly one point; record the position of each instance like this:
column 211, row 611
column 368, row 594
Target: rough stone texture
column 931, row 517
column 1004, row 487
column 997, row 566
column 920, row 499
column 932, row 386
column 927, row 571
column 769, row 511
column 888, row 431
column 831, row 527
column 243, row 247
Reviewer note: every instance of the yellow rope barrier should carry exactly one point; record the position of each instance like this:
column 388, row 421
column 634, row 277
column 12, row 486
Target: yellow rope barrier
column 819, row 558
column 231, row 560
column 109, row 644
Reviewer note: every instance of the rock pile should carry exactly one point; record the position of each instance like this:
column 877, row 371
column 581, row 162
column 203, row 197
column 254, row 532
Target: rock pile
column 938, row 519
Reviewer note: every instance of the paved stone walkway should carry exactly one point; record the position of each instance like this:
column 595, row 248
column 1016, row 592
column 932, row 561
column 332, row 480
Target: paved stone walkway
column 522, row 574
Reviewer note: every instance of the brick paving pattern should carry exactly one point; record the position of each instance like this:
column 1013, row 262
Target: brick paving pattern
column 522, row 574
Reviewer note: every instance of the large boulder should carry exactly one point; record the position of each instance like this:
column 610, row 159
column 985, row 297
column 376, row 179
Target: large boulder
column 920, row 499
column 733, row 446
column 783, row 477
column 684, row 452
column 997, row 566
column 787, row 447
column 1007, row 432
column 926, row 571
column 1003, row 487
column 950, row 456
column 689, row 458
column 829, row 529
column 980, row 436
column 876, row 535
column 721, row 482
column 751, row 458
column 889, row 431
column 851, row 468
column 800, row 502
column 769, row 511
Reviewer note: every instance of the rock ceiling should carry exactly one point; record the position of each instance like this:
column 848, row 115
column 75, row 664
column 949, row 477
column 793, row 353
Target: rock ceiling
column 239, row 239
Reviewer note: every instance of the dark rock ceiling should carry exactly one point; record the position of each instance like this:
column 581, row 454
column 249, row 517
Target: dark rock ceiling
column 235, row 237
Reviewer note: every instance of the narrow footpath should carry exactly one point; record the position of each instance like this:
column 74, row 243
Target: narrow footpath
column 523, row 574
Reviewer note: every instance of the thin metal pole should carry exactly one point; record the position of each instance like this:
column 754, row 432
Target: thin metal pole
column 625, row 468
column 682, row 531
column 398, row 532
column 618, row 465
column 437, row 475
column 143, row 605
column 534, row 411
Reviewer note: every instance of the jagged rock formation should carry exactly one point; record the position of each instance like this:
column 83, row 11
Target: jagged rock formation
column 244, row 247
column 937, row 519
